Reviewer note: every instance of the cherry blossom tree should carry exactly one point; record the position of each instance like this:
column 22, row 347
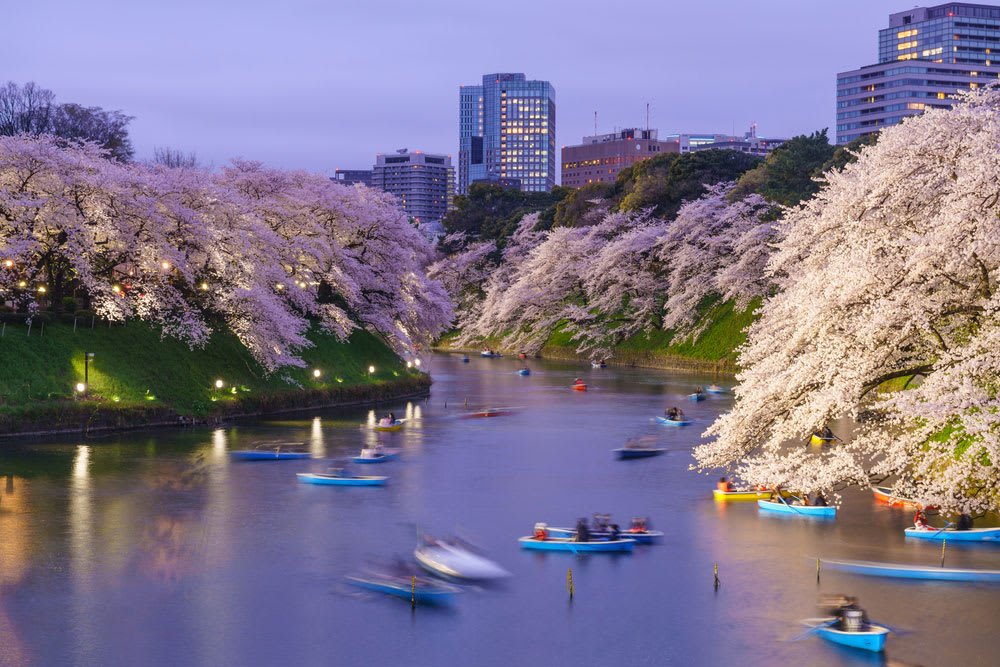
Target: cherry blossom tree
column 264, row 253
column 888, row 274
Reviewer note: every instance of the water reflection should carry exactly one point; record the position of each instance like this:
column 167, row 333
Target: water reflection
column 316, row 446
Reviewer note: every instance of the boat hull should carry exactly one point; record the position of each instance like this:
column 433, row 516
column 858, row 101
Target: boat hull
column 566, row 544
column 393, row 427
column 734, row 496
column 870, row 639
column 523, row 372
column 696, row 397
column 675, row 422
column 952, row 535
column 375, row 459
column 716, row 391
column 636, row 453
column 490, row 356
column 647, row 537
column 312, row 478
column 487, row 413
column 903, row 571
column 818, row 441
column 425, row 593
column 812, row 511
column 455, row 563
column 251, row 455
column 579, row 387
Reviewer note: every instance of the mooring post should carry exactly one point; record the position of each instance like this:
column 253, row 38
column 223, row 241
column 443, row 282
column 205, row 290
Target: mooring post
column 413, row 591
column 944, row 543
column 569, row 583
column 817, row 570
column 716, row 576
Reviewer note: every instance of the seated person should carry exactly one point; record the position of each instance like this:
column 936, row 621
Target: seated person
column 724, row 485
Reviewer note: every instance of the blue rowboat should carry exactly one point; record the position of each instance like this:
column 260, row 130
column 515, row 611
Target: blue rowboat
column 812, row 511
column 425, row 591
column 643, row 537
column 337, row 480
column 524, row 371
column 567, row 544
column 697, row 397
column 952, row 535
column 637, row 452
column 870, row 638
column 674, row 422
column 715, row 389
column 490, row 355
column 266, row 455
column 598, row 364
column 465, row 360
column 903, row 571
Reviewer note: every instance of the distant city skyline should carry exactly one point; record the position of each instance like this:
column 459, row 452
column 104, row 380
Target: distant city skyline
column 319, row 87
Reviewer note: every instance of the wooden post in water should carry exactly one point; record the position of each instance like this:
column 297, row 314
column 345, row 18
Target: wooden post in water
column 569, row 583
column 944, row 543
column 413, row 591
column 716, row 576
column 817, row 570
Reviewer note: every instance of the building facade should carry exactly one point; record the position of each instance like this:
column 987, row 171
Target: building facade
column 926, row 55
column 507, row 130
column 600, row 157
column 424, row 182
column 749, row 143
column 352, row 177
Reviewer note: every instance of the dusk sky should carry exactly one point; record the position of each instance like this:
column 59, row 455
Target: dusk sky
column 321, row 85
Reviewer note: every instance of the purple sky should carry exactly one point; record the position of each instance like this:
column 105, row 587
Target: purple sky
column 324, row 84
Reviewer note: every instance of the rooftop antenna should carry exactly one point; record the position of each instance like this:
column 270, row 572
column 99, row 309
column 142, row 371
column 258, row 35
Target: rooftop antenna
column 595, row 123
column 647, row 120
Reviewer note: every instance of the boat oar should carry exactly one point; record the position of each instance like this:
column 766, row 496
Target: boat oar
column 813, row 629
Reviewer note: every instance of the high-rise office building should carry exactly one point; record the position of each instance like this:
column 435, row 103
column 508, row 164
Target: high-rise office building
column 507, row 130
column 424, row 182
column 600, row 157
column 925, row 55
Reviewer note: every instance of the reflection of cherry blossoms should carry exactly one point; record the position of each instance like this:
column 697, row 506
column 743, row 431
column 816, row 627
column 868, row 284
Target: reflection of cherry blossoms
column 263, row 251
column 889, row 273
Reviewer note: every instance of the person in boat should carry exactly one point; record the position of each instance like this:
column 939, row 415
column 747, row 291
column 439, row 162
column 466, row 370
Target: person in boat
column 582, row 531
column 820, row 500
column 964, row 521
column 826, row 433
column 541, row 531
column 602, row 522
column 577, row 381
column 639, row 525
column 724, row 485
column 920, row 520
column 613, row 532
column 700, row 391
column 671, row 413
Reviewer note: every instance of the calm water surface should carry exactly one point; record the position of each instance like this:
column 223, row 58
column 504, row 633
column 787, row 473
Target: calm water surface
column 155, row 548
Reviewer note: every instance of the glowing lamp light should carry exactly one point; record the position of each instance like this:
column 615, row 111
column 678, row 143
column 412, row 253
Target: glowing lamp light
column 316, row 373
column 218, row 384
column 41, row 289
column 280, row 286
column 371, row 369
column 204, row 286
column 409, row 364
column 80, row 387
column 22, row 284
column 417, row 362
column 165, row 265
column 8, row 263
column 116, row 289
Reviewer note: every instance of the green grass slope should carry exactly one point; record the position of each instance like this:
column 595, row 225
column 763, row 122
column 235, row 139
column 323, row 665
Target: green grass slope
column 133, row 367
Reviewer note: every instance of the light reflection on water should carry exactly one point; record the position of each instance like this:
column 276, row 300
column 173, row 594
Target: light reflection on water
column 176, row 555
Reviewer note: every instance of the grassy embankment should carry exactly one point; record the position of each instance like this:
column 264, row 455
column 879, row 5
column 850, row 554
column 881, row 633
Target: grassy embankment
column 136, row 378
column 722, row 331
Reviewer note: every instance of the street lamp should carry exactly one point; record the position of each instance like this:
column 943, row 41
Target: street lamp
column 218, row 384
column 81, row 387
column 371, row 369
column 316, row 373
column 409, row 364
column 417, row 362
column 87, row 356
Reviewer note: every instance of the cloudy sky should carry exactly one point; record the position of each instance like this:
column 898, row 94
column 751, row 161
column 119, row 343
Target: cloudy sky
column 326, row 84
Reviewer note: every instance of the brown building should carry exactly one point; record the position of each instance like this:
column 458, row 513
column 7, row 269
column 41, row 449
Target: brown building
column 599, row 158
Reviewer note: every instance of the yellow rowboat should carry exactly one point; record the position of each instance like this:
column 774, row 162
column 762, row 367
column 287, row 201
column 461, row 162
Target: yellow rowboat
column 818, row 441
column 727, row 496
column 395, row 426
